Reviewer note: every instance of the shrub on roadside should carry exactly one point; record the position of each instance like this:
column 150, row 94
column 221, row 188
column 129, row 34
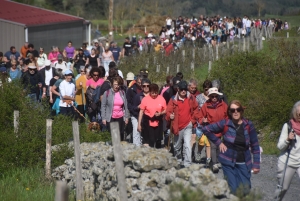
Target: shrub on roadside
column 26, row 148
column 266, row 82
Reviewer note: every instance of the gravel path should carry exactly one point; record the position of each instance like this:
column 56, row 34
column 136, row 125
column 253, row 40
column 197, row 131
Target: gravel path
column 266, row 180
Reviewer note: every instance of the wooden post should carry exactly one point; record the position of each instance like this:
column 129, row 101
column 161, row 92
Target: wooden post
column 244, row 44
column 248, row 43
column 147, row 65
column 204, row 52
column 192, row 66
column 209, row 66
column 48, row 148
column 61, row 191
column 193, row 54
column 154, row 60
column 287, row 34
column 79, row 182
column 227, row 43
column 178, row 67
column 157, row 68
column 217, row 52
column 16, row 120
column 168, row 70
column 115, row 133
column 183, row 55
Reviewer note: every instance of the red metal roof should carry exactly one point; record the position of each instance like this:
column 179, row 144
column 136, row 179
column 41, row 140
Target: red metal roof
column 32, row 16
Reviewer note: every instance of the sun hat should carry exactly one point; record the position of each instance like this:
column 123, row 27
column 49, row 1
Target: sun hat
column 47, row 63
column 166, row 41
column 214, row 90
column 32, row 67
column 130, row 76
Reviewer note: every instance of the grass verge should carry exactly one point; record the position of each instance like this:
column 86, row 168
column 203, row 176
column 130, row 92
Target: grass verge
column 26, row 184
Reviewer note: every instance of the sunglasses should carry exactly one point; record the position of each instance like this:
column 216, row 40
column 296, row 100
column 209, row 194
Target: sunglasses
column 145, row 85
column 214, row 96
column 183, row 89
column 31, row 69
column 95, row 75
column 232, row 110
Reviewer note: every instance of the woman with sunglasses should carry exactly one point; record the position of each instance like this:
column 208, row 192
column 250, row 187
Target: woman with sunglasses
column 150, row 122
column 41, row 59
column 91, row 84
column 212, row 111
column 135, row 109
column 238, row 135
column 14, row 72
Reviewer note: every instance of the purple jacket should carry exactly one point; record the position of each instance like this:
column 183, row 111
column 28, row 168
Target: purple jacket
column 227, row 128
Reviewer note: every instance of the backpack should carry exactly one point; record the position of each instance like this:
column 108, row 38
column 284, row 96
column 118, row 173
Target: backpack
column 92, row 99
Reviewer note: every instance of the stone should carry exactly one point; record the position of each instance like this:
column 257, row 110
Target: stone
column 149, row 172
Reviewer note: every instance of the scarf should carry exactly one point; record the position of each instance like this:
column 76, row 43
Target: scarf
column 296, row 126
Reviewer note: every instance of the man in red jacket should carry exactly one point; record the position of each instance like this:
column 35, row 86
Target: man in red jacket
column 183, row 112
column 212, row 111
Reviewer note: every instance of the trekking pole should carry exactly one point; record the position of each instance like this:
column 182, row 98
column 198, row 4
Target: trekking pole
column 280, row 186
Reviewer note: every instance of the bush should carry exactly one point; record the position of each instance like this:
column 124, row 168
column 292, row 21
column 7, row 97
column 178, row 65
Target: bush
column 26, row 148
column 266, row 82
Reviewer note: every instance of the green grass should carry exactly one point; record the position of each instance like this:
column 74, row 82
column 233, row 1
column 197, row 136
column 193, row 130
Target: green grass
column 26, row 184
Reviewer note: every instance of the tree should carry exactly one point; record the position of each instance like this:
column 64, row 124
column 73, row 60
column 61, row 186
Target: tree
column 259, row 5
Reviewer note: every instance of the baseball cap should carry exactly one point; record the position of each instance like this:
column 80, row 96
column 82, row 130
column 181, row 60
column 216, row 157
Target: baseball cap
column 130, row 76
column 67, row 72
column 182, row 85
column 175, row 81
column 59, row 56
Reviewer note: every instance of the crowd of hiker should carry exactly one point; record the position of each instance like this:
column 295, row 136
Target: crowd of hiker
column 86, row 84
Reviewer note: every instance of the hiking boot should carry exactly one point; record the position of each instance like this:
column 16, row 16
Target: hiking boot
column 215, row 168
column 207, row 164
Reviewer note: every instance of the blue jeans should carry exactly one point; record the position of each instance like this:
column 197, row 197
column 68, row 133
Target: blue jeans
column 32, row 98
column 237, row 177
column 68, row 111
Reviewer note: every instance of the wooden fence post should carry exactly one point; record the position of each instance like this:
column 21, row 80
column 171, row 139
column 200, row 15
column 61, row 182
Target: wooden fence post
column 61, row 191
column 183, row 55
column 115, row 133
column 192, row 66
column 154, row 60
column 244, row 44
column 16, row 120
column 157, row 68
column 217, row 52
column 287, row 34
column 209, row 66
column 193, row 54
column 178, row 68
column 48, row 148
column 79, row 182
column 168, row 70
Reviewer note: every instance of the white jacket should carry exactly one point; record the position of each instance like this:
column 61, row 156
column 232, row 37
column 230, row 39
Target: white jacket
column 294, row 158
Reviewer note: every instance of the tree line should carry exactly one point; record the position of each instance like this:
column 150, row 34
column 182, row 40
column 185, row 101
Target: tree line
column 135, row 9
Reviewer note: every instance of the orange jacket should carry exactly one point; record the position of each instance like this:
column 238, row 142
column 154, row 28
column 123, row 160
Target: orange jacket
column 173, row 107
column 213, row 114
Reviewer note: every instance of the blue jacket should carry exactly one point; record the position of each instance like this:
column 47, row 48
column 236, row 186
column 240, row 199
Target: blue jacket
column 229, row 135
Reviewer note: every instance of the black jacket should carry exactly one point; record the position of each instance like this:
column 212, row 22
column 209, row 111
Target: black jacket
column 130, row 94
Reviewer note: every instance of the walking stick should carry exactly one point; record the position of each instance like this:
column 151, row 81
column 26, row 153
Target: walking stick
column 285, row 166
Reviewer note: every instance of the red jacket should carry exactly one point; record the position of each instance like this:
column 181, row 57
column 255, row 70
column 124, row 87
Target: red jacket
column 213, row 114
column 173, row 107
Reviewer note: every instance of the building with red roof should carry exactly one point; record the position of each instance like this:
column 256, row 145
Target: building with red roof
column 20, row 23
